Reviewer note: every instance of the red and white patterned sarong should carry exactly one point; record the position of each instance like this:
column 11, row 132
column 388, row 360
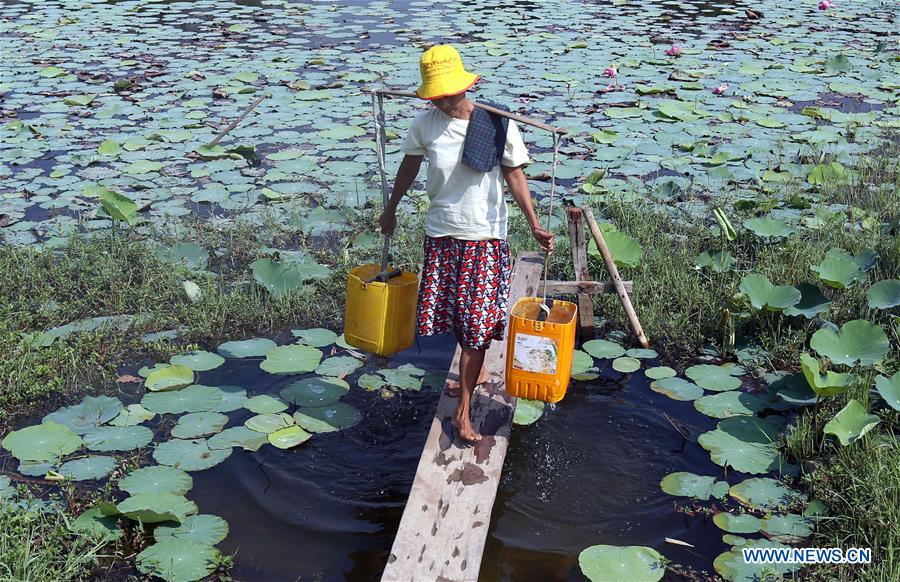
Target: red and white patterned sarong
column 464, row 289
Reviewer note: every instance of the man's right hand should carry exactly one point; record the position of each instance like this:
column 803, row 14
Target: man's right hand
column 388, row 222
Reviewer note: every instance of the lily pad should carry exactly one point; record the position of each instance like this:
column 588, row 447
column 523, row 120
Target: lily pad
column 315, row 391
column 625, row 251
column 95, row 522
column 265, row 404
column 199, row 424
column 768, row 227
column 87, row 415
column 88, row 468
column 47, row 441
column 317, row 337
column 695, row 486
column 659, row 372
column 748, row 444
column 732, row 566
column 338, row 415
column 251, row 348
column 338, row 366
column 118, row 438
column 851, row 423
column 370, row 382
column 642, row 353
column 238, row 436
column 889, row 389
column 812, row 302
column 189, row 254
column 884, row 294
column 156, row 479
column 203, row 529
column 132, row 415
column 857, row 341
column 603, row 563
column 765, row 493
column 288, row 437
column 827, row 384
column 156, row 507
column 189, row 455
column 742, row 523
column 714, row 378
column 528, row 411
column 788, row 528
column 677, row 388
column 731, row 403
column 177, row 560
column 314, row 425
column 196, row 398
column 839, row 272
column 397, row 378
column 581, row 362
column 764, row 295
column 169, row 378
column 626, row 365
column 233, row 398
column 269, row 423
column 603, row 349
column 291, row 360
column 198, row 361
column 280, row 279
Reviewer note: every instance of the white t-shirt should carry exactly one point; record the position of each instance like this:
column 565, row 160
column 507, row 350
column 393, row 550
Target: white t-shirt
column 464, row 203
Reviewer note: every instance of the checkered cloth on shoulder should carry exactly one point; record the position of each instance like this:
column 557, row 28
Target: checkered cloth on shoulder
column 485, row 139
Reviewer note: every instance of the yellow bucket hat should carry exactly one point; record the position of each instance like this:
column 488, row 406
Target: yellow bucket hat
column 443, row 73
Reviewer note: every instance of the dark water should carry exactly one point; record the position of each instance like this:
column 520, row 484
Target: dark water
column 587, row 473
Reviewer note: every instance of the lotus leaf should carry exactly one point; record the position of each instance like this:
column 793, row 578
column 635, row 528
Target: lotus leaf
column 851, row 423
column 251, row 348
column 194, row 398
column 884, row 294
column 316, row 391
column 626, row 365
column 203, row 529
column 794, row 389
column 659, row 372
column 198, row 424
column 641, row 353
column 156, row 479
column 339, row 366
column 731, row 565
column 718, row 261
column 87, row 415
column 625, row 251
column 233, row 398
column 119, row 206
column 839, row 272
column 765, row 493
column 731, row 403
column 677, row 388
column 132, row 415
column 317, row 338
column 189, row 455
column 857, row 341
column 286, row 438
column 768, row 227
column 269, row 423
column 812, row 302
column 603, row 349
column 827, row 384
column 118, row 438
column 314, row 425
column 789, row 528
column 815, row 509
column 291, row 360
column 109, row 147
column 397, row 378
column 695, row 486
column 581, row 362
column 6, row 491
column 88, row 468
column 338, row 415
column 44, row 442
column 737, row 522
column 823, row 174
column 169, row 378
column 634, row 563
column 889, row 389
column 147, row 370
column 750, row 449
column 157, row 507
column 265, row 404
column 36, row 468
column 764, row 295
column 198, row 361
column 280, row 279
column 370, row 382
column 192, row 255
column 178, row 560
column 238, row 436
column 80, row 100
column 527, row 411
column 714, row 378
column 143, row 167
column 96, row 523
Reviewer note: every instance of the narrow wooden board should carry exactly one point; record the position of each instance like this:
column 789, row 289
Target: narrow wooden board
column 445, row 523
column 584, row 287
column 578, row 243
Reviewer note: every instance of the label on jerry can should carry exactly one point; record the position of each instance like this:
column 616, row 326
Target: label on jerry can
column 535, row 353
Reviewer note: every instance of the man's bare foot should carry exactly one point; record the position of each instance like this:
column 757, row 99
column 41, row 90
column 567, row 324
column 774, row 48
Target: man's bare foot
column 463, row 425
column 453, row 385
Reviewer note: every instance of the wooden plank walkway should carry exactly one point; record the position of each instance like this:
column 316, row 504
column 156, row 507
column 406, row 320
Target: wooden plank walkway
column 445, row 523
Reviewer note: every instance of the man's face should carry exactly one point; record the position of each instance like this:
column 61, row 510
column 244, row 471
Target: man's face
column 449, row 104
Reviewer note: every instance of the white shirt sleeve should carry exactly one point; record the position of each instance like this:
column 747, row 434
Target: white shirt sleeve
column 515, row 153
column 412, row 145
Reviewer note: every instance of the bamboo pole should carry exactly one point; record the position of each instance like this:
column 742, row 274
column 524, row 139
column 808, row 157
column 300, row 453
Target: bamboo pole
column 614, row 275
column 513, row 116
column 234, row 123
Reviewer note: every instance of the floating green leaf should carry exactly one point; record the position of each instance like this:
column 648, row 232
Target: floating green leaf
column 156, row 479
column 732, row 566
column 203, row 529
column 238, row 436
column 714, row 378
column 788, row 528
column 280, row 279
column 633, row 563
column 851, row 423
column 189, row 455
column 198, row 360
column 95, row 522
column 827, row 173
column 315, row 391
column 194, row 398
column 291, row 360
column 696, row 486
column 839, row 272
column 626, row 365
column 748, row 444
column 731, row 403
column 397, row 378
column 87, row 468
column 884, row 294
column 132, row 415
column 88, row 414
column 44, row 442
column 317, row 338
column 603, row 349
column 768, row 227
column 528, row 411
column 338, row 415
column 737, row 522
column 199, row 424
column 857, row 341
column 265, row 404
column 192, row 255
column 233, row 398
column 677, row 388
column 80, row 100
column 659, row 372
column 338, row 366
column 169, row 378
column 156, row 507
column 251, row 348
column 313, row 425
column 269, row 423
column 118, row 438
column 289, row 437
column 177, row 560
column 765, row 493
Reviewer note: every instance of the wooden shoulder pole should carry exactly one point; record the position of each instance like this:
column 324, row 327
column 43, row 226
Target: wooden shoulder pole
column 614, row 275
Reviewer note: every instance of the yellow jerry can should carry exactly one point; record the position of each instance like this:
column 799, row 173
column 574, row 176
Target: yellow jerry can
column 380, row 317
column 539, row 353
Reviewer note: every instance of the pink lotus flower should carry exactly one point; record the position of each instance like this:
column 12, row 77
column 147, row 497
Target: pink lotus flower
column 674, row 51
column 611, row 71
column 825, row 5
column 720, row 90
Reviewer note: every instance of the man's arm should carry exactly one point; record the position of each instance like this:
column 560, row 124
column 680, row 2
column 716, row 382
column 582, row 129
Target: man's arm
column 406, row 175
column 518, row 187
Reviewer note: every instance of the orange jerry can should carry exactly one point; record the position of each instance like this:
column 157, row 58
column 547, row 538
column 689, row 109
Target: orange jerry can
column 539, row 353
column 380, row 317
